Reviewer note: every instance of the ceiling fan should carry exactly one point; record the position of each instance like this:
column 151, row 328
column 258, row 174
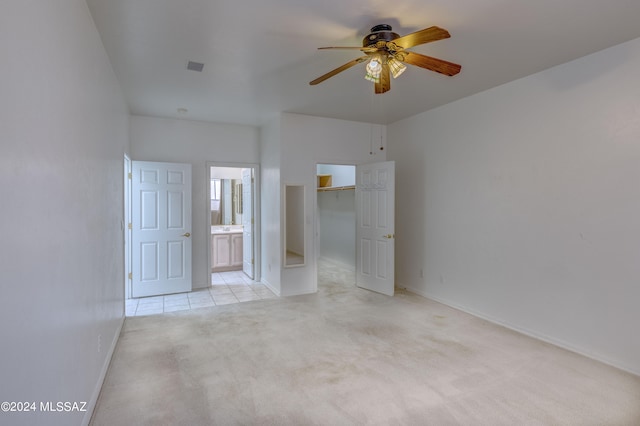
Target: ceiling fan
column 386, row 54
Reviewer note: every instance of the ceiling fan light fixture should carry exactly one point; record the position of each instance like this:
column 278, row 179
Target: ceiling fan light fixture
column 396, row 67
column 374, row 69
column 375, row 65
column 372, row 78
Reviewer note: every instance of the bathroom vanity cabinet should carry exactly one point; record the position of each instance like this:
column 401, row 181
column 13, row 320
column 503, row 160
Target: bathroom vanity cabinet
column 226, row 251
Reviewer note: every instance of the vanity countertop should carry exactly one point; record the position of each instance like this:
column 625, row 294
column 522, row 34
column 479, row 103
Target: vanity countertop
column 228, row 229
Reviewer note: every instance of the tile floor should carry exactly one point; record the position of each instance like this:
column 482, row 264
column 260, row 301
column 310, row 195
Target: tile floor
column 228, row 287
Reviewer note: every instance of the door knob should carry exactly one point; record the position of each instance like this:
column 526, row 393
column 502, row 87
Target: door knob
column 186, row 235
column 389, row 236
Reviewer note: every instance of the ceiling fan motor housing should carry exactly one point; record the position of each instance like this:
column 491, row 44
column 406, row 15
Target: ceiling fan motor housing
column 380, row 32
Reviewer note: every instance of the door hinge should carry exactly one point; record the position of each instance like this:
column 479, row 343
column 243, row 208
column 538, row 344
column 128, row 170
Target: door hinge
column 252, row 261
column 130, row 225
column 130, row 175
column 130, row 275
column 252, row 221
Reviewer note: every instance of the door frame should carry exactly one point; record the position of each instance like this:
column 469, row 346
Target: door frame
column 126, row 229
column 256, row 213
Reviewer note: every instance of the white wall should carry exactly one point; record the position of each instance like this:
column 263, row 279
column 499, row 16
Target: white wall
column 305, row 142
column 337, row 227
column 63, row 135
column 341, row 175
column 196, row 143
column 225, row 173
column 271, row 244
column 525, row 206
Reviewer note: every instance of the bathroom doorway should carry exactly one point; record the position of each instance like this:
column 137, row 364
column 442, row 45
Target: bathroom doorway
column 233, row 219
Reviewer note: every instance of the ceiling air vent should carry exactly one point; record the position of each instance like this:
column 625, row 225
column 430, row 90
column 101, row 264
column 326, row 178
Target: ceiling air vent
column 195, row 66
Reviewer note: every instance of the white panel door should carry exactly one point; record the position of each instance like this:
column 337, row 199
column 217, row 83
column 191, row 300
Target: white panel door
column 247, row 222
column 161, row 228
column 375, row 215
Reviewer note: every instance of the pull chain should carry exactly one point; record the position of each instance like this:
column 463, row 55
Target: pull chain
column 371, row 140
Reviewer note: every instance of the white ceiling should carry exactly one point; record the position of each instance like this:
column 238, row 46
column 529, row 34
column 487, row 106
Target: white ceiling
column 260, row 56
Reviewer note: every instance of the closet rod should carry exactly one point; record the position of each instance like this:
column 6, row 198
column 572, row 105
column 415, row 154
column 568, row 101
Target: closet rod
column 337, row 188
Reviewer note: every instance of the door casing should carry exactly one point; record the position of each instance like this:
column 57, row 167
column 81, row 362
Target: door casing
column 256, row 213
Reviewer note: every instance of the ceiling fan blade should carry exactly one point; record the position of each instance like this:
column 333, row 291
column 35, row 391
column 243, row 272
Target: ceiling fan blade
column 364, row 49
column 338, row 70
column 432, row 64
column 423, row 36
column 385, row 80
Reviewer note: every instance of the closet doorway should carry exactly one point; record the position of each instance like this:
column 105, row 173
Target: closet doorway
column 336, row 224
column 232, row 217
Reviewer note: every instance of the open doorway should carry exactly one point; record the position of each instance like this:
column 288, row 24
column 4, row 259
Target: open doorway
column 232, row 214
column 336, row 224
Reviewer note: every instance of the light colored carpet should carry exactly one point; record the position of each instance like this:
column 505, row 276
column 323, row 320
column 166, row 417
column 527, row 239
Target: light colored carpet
column 347, row 356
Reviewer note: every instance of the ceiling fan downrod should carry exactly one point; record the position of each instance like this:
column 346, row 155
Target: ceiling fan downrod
column 381, row 32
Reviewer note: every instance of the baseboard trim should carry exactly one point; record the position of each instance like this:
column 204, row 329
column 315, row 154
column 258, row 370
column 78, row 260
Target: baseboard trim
column 200, row 286
column 103, row 374
column 270, row 287
column 539, row 336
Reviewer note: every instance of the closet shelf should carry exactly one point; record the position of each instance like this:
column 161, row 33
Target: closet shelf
column 336, row 188
column 324, row 181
